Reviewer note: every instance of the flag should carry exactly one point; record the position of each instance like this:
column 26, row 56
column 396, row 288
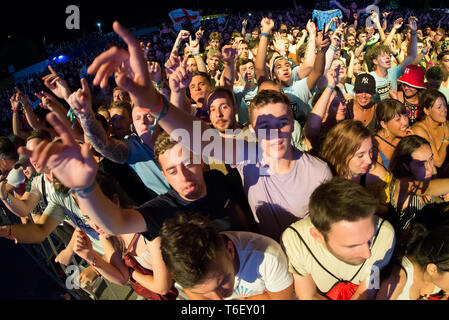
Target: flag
column 180, row 16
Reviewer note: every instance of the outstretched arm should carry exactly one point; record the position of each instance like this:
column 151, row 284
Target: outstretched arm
column 266, row 25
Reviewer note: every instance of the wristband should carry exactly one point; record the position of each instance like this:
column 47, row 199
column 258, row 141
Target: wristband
column 15, row 110
column 330, row 87
column 196, row 54
column 265, row 34
column 332, row 48
column 162, row 114
column 413, row 33
column 84, row 191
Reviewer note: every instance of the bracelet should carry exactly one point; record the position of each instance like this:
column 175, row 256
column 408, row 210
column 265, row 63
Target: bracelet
column 332, row 48
column 445, row 138
column 85, row 190
column 330, row 87
column 196, row 54
column 5, row 198
column 265, row 34
column 15, row 110
column 162, row 114
column 94, row 261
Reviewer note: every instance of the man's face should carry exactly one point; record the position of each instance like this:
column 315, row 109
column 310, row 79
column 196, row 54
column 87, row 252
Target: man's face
column 254, row 35
column 28, row 169
column 198, row 88
column 383, row 60
column 221, row 112
column 215, row 44
column 246, row 72
column 273, row 126
column 243, row 51
column 121, row 95
column 213, row 62
column 362, row 37
column 120, row 121
column 218, row 283
column 31, row 145
column 445, row 63
column 283, row 70
column 191, row 65
column 438, row 36
column 350, row 241
column 141, row 120
column 181, row 172
column 351, row 41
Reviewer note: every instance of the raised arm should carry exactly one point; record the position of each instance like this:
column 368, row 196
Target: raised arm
column 266, row 25
column 178, row 82
column 15, row 107
column 20, row 207
column 228, row 55
column 412, row 51
column 309, row 56
column 194, row 48
column 396, row 26
column 81, row 102
column 376, row 20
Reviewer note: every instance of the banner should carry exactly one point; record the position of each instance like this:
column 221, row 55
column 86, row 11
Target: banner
column 182, row 16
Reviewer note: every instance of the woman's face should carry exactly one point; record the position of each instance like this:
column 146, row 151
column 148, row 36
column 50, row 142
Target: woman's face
column 397, row 126
column 357, row 67
column 438, row 112
column 361, row 162
column 339, row 65
column 363, row 99
column 421, row 166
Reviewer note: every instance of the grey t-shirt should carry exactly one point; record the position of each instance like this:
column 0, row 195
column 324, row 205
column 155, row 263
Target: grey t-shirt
column 277, row 200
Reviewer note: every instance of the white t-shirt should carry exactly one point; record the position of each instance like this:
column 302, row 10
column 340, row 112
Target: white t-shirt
column 302, row 263
column 263, row 265
column 386, row 84
column 299, row 95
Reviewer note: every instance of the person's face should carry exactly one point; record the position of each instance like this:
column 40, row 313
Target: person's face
column 121, row 95
column 361, row 162
column 357, row 67
column 445, row 63
column 421, row 166
column 428, row 30
column 350, row 241
column 142, row 120
column 409, row 91
column 362, row 37
column 283, row 70
column 191, row 65
column 218, row 283
column 246, row 72
column 433, row 84
column 273, row 127
column 198, row 88
column 440, row 279
column 215, row 44
column 213, row 62
column 438, row 111
column 363, row 98
column 120, row 121
column 28, row 169
column 341, row 112
column 352, row 31
column 383, row 60
column 254, row 35
column 221, row 112
column 398, row 125
column 105, row 114
column 243, row 51
column 181, row 172
column 438, row 36
column 31, row 145
column 351, row 41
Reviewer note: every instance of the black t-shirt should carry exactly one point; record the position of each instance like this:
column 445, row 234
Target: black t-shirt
column 218, row 203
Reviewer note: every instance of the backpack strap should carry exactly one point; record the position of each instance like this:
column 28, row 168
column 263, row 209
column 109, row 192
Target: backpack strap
column 131, row 245
column 310, row 251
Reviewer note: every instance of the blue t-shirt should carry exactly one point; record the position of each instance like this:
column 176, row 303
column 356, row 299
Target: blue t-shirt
column 141, row 160
column 243, row 97
column 385, row 85
column 299, row 94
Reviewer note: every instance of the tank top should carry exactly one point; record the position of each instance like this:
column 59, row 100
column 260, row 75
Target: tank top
column 407, row 266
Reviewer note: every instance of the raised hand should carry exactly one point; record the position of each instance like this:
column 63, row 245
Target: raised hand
column 311, row 27
column 244, row 22
column 194, row 45
column 331, row 77
column 228, row 54
column 412, row 23
column 173, row 62
column 398, row 23
column 71, row 163
column 180, row 77
column 81, row 100
column 47, row 100
column 134, row 78
column 266, row 25
column 56, row 84
column 199, row 34
column 183, row 34
column 16, row 99
column 279, row 43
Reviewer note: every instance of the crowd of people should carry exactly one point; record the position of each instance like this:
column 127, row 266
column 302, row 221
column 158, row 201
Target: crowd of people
column 280, row 155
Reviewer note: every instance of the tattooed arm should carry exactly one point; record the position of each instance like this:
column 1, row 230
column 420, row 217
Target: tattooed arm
column 111, row 148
